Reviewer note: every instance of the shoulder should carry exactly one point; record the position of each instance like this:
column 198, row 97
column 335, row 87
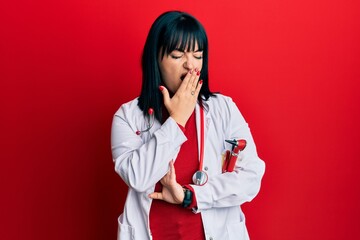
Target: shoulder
column 220, row 98
column 220, row 102
column 223, row 107
column 129, row 107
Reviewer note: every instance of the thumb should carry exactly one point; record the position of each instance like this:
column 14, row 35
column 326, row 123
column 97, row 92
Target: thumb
column 156, row 195
column 165, row 94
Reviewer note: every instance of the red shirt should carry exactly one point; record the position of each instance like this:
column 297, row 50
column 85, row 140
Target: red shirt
column 172, row 221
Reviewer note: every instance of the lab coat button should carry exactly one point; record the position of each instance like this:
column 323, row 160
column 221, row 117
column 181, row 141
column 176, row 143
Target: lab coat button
column 211, row 238
column 206, row 168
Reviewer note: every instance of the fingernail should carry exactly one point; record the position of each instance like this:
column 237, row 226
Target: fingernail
column 201, row 81
column 198, row 73
column 161, row 88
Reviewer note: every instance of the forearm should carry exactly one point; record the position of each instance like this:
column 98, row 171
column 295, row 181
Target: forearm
column 142, row 164
column 232, row 188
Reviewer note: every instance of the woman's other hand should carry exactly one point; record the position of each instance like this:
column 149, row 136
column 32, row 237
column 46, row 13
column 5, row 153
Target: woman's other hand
column 182, row 104
column 172, row 192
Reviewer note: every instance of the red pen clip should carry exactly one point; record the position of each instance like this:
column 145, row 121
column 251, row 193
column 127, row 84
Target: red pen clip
column 231, row 157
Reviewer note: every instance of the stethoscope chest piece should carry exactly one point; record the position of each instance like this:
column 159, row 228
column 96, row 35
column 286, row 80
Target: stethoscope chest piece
column 200, row 178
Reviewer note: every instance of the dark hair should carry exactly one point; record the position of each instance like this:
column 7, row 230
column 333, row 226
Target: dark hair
column 171, row 30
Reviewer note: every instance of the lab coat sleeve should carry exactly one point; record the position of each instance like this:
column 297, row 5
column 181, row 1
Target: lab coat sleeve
column 241, row 185
column 142, row 163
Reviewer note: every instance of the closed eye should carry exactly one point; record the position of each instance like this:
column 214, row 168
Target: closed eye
column 176, row 56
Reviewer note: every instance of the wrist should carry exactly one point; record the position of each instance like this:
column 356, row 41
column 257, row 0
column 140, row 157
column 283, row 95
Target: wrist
column 179, row 120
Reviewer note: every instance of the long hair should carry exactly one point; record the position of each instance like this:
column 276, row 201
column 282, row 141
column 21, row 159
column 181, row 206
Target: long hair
column 171, row 30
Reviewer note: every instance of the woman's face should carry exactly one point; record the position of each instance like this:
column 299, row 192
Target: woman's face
column 177, row 64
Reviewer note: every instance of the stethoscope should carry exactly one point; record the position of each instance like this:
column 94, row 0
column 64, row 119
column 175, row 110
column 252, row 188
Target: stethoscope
column 151, row 120
column 200, row 177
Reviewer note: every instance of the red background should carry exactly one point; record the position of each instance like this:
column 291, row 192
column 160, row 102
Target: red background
column 66, row 66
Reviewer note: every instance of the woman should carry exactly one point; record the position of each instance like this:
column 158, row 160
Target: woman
column 168, row 144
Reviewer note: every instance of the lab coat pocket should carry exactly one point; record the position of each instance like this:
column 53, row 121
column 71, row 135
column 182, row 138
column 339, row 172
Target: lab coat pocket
column 125, row 232
column 237, row 231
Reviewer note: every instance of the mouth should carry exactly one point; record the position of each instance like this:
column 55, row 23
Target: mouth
column 183, row 76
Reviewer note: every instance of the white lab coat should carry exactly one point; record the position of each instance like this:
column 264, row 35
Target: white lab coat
column 143, row 160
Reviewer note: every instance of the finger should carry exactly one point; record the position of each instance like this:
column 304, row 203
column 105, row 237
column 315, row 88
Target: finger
column 165, row 178
column 156, row 195
column 185, row 82
column 172, row 170
column 198, row 88
column 192, row 80
column 196, row 80
column 194, row 87
column 165, row 94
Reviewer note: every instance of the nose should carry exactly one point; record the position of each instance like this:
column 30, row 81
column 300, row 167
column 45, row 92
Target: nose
column 188, row 64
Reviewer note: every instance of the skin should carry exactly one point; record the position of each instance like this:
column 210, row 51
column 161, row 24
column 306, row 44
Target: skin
column 177, row 63
column 173, row 67
column 180, row 103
